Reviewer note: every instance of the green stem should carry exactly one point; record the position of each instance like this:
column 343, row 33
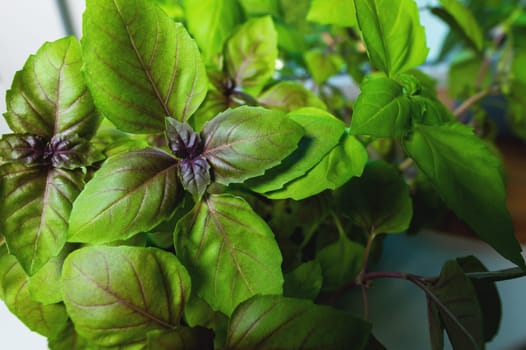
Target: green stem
column 338, row 224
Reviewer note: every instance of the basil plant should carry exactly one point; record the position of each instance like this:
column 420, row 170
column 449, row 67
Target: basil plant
column 187, row 176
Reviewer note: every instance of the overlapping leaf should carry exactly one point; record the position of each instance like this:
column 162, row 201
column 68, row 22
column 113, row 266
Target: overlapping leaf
column 244, row 142
column 381, row 110
column 392, row 32
column 468, row 177
column 275, row 322
column 230, row 251
column 345, row 160
column 49, row 96
column 182, row 338
column 322, row 133
column 140, row 65
column 48, row 320
column 116, row 295
column 131, row 193
column 34, row 211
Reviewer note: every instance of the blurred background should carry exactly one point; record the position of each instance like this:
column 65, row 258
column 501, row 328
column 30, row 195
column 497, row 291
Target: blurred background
column 26, row 24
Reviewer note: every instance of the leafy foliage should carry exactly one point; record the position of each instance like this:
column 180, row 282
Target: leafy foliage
column 235, row 187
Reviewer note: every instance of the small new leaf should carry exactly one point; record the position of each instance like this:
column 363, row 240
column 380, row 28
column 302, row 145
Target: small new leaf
column 182, row 139
column 116, row 295
column 194, row 175
column 27, row 149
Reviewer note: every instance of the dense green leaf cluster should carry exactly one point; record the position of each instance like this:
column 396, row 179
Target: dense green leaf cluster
column 221, row 202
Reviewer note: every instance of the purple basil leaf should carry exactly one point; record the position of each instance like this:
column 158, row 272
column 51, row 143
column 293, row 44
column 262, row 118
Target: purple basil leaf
column 25, row 148
column 194, row 175
column 71, row 152
column 182, row 139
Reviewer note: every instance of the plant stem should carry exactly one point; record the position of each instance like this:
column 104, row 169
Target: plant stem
column 360, row 279
column 408, row 162
column 338, row 224
column 460, row 110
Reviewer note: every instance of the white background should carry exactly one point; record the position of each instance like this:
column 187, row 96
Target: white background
column 26, row 24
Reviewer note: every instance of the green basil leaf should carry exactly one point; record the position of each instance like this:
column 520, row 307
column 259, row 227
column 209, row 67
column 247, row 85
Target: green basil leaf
column 429, row 111
column 323, row 131
column 251, row 54
column 45, row 286
column 69, row 339
column 379, row 200
column 487, row 295
column 198, row 313
column 182, row 338
column 468, row 177
column 230, row 251
column 395, row 39
column 48, row 320
column 345, row 160
column 116, row 295
column 381, row 110
column 34, row 211
column 244, row 142
column 275, row 322
column 304, row 281
column 463, row 319
column 323, row 65
column 261, row 7
column 140, row 65
column 288, row 96
column 337, row 12
column 340, row 262
column 461, row 19
column 211, row 22
column 49, row 96
column 131, row 193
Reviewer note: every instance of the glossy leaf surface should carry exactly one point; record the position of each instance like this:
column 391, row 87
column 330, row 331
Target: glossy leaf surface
column 48, row 320
column 116, row 295
column 275, row 322
column 345, row 160
column 251, row 54
column 323, row 131
column 49, row 96
column 140, row 65
column 392, row 32
column 381, row 110
column 34, row 211
column 230, row 251
column 131, row 193
column 244, row 142
column 468, row 177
